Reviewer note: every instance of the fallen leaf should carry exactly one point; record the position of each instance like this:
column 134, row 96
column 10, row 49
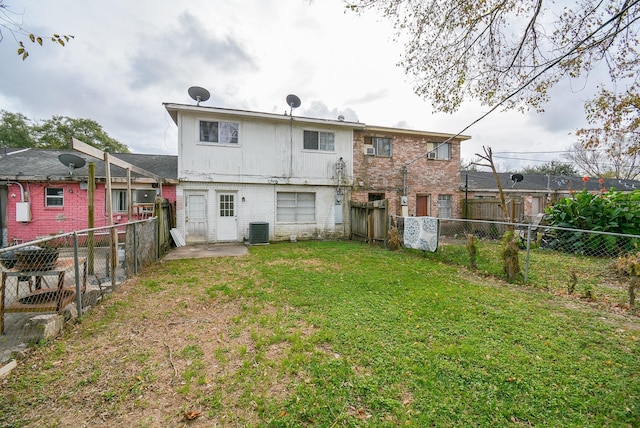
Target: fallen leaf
column 191, row 414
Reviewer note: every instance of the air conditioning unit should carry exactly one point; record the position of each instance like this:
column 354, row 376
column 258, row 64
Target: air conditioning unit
column 258, row 233
column 371, row 151
column 432, row 155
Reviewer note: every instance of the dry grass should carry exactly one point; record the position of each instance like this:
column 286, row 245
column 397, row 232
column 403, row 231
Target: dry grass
column 321, row 334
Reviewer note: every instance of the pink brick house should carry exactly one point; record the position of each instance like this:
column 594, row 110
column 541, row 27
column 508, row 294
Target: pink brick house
column 417, row 171
column 40, row 197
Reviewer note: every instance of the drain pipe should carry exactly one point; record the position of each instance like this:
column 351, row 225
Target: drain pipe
column 21, row 189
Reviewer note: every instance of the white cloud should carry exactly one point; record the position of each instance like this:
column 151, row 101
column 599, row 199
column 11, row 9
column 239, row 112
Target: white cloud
column 128, row 58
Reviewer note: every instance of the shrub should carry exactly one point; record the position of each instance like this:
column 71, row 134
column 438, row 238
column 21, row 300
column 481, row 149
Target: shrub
column 613, row 212
column 510, row 256
column 630, row 265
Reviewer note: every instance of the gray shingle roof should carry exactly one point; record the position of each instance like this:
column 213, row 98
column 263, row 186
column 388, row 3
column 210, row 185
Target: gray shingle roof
column 484, row 181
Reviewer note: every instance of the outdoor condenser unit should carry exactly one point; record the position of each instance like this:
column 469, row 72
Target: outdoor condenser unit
column 259, row 233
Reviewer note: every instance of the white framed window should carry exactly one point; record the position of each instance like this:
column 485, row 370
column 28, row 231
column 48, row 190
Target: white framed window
column 219, row 132
column 296, row 207
column 119, row 200
column 440, row 151
column 319, row 140
column 54, row 197
column 382, row 146
column 444, row 206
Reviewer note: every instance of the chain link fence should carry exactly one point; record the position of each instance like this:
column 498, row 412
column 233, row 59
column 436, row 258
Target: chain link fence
column 66, row 274
column 594, row 265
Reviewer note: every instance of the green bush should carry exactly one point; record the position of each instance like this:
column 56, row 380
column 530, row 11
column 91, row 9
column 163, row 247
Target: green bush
column 612, row 211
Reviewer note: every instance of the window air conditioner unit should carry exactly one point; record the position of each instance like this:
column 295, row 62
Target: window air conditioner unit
column 371, row 151
column 432, row 155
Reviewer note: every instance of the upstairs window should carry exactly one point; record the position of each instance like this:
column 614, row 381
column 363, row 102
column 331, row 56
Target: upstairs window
column 382, row 146
column 54, row 197
column 378, row 146
column 319, row 140
column 219, row 132
column 440, row 151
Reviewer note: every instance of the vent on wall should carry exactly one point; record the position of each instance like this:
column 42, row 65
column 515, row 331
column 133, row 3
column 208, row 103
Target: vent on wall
column 258, row 233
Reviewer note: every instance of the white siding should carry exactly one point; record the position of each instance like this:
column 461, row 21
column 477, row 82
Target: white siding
column 266, row 150
column 269, row 158
column 259, row 205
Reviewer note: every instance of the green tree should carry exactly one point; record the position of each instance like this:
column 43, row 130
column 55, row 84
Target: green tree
column 9, row 24
column 509, row 52
column 55, row 133
column 553, row 167
column 615, row 120
column 15, row 130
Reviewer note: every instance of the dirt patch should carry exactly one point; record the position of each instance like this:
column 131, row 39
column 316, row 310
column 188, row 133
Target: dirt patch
column 156, row 359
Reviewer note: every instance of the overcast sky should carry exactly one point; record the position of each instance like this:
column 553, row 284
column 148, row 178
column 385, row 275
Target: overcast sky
column 128, row 57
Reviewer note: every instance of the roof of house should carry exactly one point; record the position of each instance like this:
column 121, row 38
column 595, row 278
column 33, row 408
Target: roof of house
column 44, row 164
column 484, row 181
column 173, row 109
column 431, row 134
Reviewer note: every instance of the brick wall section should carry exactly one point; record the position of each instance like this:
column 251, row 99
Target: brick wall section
column 378, row 174
column 72, row 216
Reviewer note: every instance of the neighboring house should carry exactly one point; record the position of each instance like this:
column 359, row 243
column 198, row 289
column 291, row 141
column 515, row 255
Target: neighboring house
column 40, row 196
column 418, row 172
column 260, row 176
column 531, row 195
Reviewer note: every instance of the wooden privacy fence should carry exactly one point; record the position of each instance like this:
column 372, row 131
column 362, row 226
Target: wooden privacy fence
column 489, row 209
column 370, row 221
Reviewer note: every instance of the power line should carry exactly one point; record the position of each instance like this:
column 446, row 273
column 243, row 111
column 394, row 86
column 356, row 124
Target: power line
column 536, row 76
column 526, row 153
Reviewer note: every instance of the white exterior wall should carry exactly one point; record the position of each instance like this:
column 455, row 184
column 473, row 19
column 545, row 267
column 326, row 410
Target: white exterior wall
column 266, row 149
column 268, row 159
column 259, row 205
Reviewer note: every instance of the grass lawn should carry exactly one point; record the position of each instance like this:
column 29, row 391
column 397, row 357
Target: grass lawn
column 331, row 334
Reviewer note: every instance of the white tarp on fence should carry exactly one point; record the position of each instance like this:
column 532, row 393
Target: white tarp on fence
column 421, row 233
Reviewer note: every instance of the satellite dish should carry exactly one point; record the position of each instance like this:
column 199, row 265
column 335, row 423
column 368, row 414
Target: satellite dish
column 198, row 94
column 516, row 178
column 71, row 161
column 293, row 101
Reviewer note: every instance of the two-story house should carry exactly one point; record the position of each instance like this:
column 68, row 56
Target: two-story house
column 243, row 171
column 418, row 172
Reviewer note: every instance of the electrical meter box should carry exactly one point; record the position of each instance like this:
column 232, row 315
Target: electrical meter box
column 23, row 211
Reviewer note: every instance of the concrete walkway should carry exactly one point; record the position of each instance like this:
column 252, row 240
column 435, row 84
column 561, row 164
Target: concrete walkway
column 207, row 250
